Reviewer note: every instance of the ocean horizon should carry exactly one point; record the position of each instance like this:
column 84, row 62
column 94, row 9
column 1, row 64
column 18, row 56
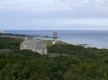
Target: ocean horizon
column 93, row 38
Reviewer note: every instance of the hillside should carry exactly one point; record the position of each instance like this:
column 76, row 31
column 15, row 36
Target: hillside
column 79, row 63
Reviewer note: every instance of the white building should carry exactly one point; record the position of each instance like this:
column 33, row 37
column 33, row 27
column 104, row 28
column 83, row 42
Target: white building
column 35, row 45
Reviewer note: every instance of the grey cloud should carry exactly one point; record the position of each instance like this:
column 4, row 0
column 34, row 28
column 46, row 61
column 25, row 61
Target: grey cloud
column 95, row 4
column 56, row 5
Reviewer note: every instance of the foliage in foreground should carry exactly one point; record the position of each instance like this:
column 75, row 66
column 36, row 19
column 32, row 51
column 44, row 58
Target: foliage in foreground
column 79, row 64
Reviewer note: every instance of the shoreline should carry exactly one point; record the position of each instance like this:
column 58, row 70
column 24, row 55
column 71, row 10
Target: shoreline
column 84, row 45
column 72, row 43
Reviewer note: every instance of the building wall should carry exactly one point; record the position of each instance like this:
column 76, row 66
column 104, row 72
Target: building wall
column 42, row 51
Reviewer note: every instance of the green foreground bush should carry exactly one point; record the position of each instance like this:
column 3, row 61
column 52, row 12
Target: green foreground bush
column 80, row 63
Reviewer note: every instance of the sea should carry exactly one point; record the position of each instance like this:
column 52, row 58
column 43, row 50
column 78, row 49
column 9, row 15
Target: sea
column 93, row 38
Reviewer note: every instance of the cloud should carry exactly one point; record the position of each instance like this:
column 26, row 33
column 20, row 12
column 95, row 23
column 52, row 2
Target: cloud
column 53, row 5
column 102, row 5
column 70, row 22
column 94, row 4
column 58, row 22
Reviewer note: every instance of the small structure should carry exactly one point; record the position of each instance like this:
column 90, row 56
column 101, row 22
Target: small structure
column 54, row 34
column 35, row 45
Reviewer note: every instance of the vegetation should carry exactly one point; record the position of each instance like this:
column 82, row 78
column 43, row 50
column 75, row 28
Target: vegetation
column 79, row 63
column 9, row 43
column 10, row 34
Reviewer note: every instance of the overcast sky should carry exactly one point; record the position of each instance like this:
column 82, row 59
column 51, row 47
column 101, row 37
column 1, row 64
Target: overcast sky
column 54, row 14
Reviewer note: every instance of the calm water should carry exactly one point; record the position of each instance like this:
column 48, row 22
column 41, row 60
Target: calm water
column 93, row 38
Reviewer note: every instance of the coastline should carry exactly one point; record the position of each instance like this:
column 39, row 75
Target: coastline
column 84, row 45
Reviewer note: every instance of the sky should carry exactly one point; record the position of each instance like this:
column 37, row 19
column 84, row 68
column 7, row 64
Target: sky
column 54, row 14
